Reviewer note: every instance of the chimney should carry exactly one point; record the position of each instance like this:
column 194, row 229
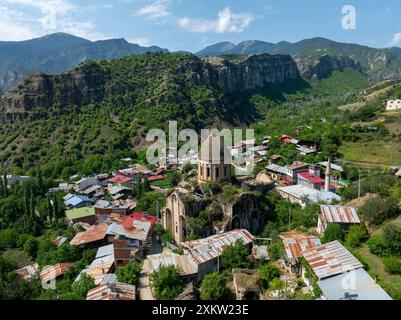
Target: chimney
column 328, row 177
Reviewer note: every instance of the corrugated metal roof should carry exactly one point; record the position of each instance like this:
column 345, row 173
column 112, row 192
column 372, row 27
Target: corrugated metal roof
column 295, row 243
column 207, row 249
column 276, row 168
column 139, row 231
column 53, row 272
column 353, row 285
column 339, row 214
column 93, row 234
column 113, row 291
column 185, row 263
column 300, row 191
column 330, row 259
column 28, row 272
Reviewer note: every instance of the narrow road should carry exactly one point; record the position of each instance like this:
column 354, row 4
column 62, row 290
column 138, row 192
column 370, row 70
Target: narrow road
column 143, row 285
column 368, row 164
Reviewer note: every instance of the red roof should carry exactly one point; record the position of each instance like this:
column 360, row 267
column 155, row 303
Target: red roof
column 311, row 177
column 138, row 216
column 156, row 178
column 120, row 179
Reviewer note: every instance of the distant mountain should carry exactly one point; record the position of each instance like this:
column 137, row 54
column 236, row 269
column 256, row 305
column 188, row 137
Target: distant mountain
column 57, row 53
column 377, row 63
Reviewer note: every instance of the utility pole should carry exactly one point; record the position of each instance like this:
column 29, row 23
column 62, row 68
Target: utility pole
column 359, row 184
column 289, row 219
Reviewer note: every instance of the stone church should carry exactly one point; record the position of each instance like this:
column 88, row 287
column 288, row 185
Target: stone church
column 243, row 212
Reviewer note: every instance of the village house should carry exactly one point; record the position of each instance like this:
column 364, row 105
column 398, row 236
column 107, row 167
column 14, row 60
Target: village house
column 72, row 201
column 393, row 105
column 102, row 264
column 120, row 180
column 293, row 169
column 295, row 244
column 206, row 252
column 82, row 215
column 55, row 272
column 13, row 180
column 104, row 208
column 341, row 276
column 303, row 195
column 120, row 192
column 29, row 272
column 275, row 158
column 306, row 147
column 286, row 139
column 276, row 172
column 112, row 291
column 94, row 237
column 85, row 183
column 344, row 216
column 311, row 178
column 132, row 237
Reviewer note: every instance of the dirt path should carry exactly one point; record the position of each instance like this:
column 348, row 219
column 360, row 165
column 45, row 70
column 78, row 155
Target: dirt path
column 143, row 286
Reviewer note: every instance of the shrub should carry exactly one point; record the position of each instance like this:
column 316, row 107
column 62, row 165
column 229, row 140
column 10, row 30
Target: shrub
column 167, row 283
column 236, row 256
column 356, row 235
column 392, row 265
column 129, row 274
column 267, row 273
column 213, row 287
column 332, row 233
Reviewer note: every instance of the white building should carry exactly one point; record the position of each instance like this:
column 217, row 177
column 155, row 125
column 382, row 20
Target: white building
column 393, row 104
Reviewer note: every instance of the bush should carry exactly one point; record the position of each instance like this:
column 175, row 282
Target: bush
column 167, row 283
column 31, row 247
column 379, row 209
column 392, row 265
column 332, row 233
column 357, row 234
column 214, row 287
column 376, row 246
column 129, row 274
column 267, row 273
column 236, row 256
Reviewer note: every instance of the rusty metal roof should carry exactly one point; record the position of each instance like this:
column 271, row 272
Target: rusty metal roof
column 207, row 249
column 112, row 291
column 331, row 259
column 53, row 272
column 339, row 214
column 28, row 272
column 93, row 234
column 184, row 263
column 295, row 243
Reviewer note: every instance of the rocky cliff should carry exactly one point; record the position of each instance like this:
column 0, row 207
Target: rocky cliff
column 91, row 83
column 323, row 66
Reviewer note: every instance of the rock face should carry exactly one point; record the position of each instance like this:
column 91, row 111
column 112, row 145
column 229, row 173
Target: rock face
column 323, row 66
column 255, row 72
column 91, row 83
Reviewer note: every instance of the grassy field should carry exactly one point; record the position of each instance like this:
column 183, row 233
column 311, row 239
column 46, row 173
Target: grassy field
column 390, row 283
column 18, row 256
column 380, row 152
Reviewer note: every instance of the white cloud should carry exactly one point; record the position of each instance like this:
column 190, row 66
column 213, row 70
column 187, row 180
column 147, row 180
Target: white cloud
column 13, row 26
column 49, row 16
column 227, row 22
column 144, row 42
column 155, row 10
column 396, row 40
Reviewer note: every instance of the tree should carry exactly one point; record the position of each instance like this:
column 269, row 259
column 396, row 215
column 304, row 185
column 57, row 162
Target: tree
column 379, row 209
column 31, row 247
column 392, row 238
column 129, row 274
column 356, row 235
column 167, row 283
column 214, row 287
column 80, row 289
column 332, row 233
column 268, row 272
column 236, row 256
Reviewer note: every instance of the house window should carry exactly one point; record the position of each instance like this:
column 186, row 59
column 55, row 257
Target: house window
column 208, row 172
column 201, row 170
column 225, row 171
column 217, row 172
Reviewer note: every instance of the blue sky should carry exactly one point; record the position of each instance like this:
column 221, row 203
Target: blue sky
column 193, row 24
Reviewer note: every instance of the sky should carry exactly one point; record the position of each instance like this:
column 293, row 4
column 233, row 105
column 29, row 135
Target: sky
column 191, row 25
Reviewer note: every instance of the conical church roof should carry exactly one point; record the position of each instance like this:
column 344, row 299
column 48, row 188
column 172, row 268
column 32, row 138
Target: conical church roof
column 212, row 150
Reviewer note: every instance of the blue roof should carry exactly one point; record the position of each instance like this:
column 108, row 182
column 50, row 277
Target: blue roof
column 354, row 285
column 76, row 200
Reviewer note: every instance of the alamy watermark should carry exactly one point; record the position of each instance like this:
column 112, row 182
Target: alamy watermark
column 348, row 21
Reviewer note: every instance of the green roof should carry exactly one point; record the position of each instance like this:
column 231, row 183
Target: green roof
column 80, row 213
